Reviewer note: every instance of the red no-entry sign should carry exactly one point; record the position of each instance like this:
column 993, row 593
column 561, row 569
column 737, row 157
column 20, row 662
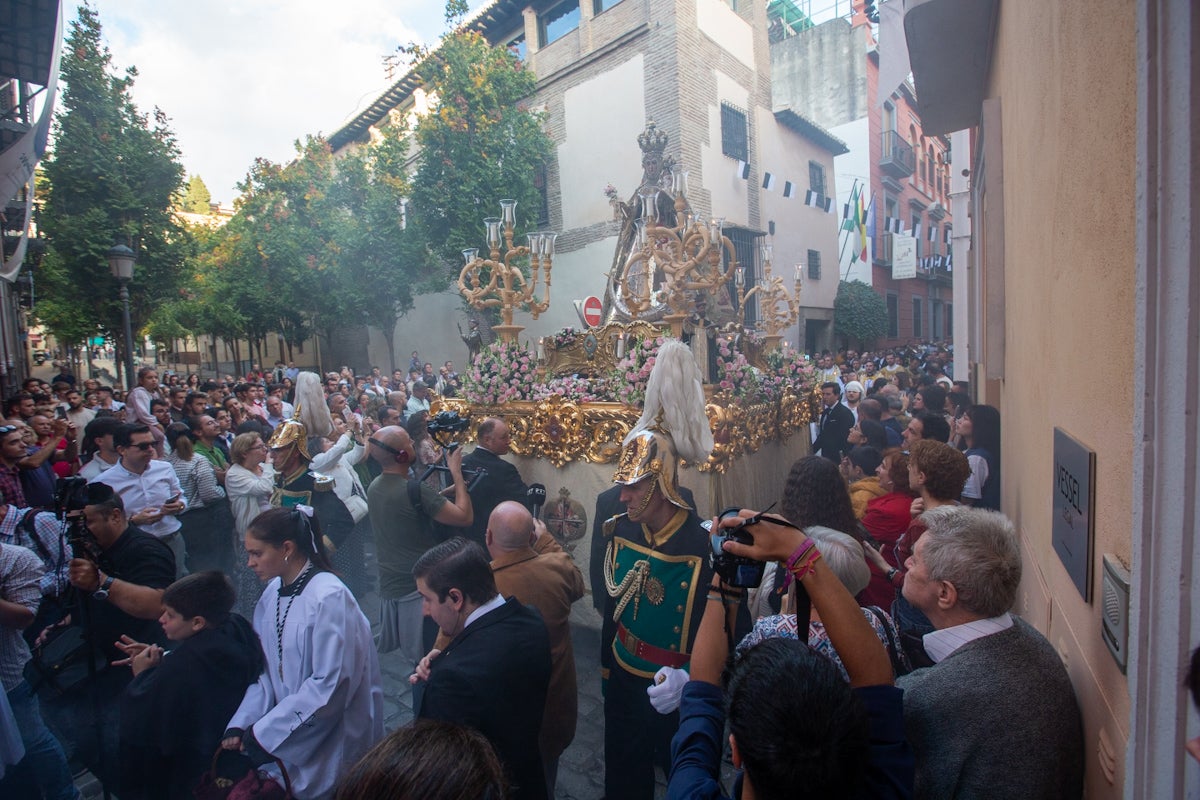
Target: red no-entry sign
column 591, row 311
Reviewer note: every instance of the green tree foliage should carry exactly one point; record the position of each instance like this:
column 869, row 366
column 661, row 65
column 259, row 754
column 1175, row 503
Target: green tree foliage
column 112, row 177
column 479, row 144
column 380, row 259
column 273, row 266
column 197, row 197
column 859, row 313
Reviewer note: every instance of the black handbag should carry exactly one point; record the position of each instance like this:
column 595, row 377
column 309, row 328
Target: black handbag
column 60, row 665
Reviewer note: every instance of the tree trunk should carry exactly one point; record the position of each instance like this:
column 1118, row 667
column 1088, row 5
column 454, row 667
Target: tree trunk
column 389, row 336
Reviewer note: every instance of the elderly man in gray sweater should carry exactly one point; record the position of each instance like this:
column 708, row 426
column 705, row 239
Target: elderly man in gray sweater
column 996, row 715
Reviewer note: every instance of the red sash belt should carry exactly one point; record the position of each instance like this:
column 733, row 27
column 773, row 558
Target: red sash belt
column 648, row 652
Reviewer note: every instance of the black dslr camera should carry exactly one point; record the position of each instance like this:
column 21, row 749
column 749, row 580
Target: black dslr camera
column 736, row 571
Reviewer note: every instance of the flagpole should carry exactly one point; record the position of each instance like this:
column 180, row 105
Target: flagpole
column 842, row 227
column 866, row 210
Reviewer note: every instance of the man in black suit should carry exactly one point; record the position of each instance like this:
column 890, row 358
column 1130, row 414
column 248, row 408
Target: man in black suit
column 835, row 424
column 608, row 505
column 494, row 674
column 502, row 481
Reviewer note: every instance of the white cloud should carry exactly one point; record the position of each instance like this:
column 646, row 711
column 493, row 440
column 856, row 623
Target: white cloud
column 241, row 79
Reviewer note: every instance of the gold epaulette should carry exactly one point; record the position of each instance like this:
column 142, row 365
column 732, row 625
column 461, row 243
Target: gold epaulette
column 610, row 525
column 321, row 482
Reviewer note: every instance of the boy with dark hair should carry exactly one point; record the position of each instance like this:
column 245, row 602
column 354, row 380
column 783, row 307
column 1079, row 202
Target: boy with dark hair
column 174, row 711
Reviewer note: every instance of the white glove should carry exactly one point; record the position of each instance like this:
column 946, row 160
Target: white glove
column 667, row 689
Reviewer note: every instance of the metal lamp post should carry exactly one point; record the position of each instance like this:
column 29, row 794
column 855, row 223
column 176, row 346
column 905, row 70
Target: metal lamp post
column 120, row 261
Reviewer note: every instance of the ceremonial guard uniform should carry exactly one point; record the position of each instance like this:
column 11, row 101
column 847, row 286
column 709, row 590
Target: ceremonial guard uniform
column 655, row 581
column 305, row 487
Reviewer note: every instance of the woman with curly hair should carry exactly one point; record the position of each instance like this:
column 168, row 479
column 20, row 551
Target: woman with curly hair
column 816, row 494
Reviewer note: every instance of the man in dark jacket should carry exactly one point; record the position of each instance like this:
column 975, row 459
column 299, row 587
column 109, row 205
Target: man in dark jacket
column 494, row 675
column 502, row 481
column 834, row 425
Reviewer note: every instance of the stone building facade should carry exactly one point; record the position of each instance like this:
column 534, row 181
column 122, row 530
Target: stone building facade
column 604, row 69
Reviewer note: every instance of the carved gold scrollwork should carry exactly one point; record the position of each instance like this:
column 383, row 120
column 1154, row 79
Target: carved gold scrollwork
column 556, row 431
column 594, row 351
column 562, row 431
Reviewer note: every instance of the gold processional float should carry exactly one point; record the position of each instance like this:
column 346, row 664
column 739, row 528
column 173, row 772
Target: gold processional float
column 575, row 398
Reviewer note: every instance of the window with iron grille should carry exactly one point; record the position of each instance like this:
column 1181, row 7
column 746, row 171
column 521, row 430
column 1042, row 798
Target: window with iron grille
column 745, row 245
column 893, row 311
column 816, row 177
column 735, row 137
column 814, row 265
column 918, row 325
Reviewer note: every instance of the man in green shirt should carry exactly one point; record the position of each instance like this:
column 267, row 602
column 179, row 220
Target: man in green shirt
column 205, row 430
column 403, row 534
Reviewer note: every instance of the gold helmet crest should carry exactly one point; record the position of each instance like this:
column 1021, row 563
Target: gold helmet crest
column 651, row 453
column 291, row 432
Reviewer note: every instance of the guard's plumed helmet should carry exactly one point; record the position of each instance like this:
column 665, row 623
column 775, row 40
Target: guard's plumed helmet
column 673, row 424
column 651, row 453
column 291, row 432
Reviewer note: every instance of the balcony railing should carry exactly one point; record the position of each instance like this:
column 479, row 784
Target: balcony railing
column 896, row 158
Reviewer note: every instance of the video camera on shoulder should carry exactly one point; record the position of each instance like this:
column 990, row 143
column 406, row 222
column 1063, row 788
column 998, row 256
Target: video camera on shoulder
column 446, row 424
column 736, row 571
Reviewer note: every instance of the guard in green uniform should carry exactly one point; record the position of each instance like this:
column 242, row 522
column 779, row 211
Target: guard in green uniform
column 656, row 574
column 297, row 485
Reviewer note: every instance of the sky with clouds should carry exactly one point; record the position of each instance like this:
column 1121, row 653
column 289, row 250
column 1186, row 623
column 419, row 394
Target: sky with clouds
column 241, row 79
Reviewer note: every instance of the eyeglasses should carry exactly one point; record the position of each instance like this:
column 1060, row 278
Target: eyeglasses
column 8, row 429
column 260, row 446
column 143, row 446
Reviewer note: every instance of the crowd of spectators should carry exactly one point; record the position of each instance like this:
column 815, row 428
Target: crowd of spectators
column 889, row 591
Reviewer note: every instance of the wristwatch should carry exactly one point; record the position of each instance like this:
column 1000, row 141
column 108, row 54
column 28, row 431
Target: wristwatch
column 102, row 592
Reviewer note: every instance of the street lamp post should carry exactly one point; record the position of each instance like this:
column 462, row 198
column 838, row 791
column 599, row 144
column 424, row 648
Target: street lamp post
column 120, row 261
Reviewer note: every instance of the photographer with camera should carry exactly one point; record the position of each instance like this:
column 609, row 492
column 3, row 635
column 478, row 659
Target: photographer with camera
column 402, row 510
column 795, row 725
column 119, row 573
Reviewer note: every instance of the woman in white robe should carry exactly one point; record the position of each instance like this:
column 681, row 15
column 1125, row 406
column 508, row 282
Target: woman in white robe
column 318, row 706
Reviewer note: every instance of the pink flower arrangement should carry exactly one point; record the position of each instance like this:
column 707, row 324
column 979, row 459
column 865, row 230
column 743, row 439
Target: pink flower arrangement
column 735, row 375
column 501, row 373
column 628, row 381
column 788, row 369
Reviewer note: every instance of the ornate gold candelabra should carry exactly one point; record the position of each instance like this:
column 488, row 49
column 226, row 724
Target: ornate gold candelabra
column 777, row 309
column 671, row 263
column 492, row 282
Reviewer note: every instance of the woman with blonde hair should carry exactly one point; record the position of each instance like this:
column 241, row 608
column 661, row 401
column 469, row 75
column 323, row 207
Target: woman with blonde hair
column 249, row 483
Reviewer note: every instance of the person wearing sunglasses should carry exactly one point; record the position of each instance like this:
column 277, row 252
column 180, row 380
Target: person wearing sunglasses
column 149, row 489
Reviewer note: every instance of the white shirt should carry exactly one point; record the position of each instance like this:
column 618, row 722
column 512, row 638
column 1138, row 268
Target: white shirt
column 96, row 466
column 490, row 605
column 152, row 489
column 939, row 645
